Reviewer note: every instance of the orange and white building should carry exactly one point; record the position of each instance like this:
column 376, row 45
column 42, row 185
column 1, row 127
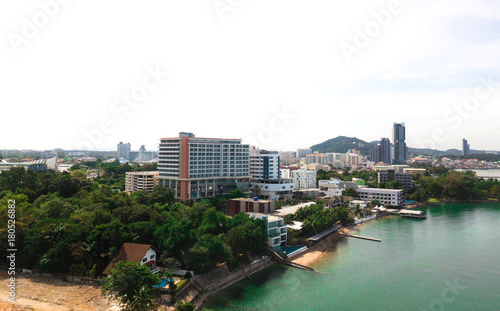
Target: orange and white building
column 196, row 168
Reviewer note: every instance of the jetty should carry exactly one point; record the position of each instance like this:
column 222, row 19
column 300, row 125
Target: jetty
column 361, row 237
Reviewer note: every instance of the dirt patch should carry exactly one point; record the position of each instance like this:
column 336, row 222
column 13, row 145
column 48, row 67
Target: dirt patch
column 47, row 293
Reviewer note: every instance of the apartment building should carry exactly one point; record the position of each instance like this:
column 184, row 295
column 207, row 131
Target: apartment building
column 405, row 179
column 302, row 178
column 136, row 181
column 276, row 230
column 196, row 168
column 393, row 197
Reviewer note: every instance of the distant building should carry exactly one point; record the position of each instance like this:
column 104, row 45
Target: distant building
column 393, row 197
column 385, row 151
column 405, row 179
column 276, row 230
column 136, row 181
column 399, row 136
column 319, row 158
column 375, row 154
column 411, row 170
column 465, row 147
column 34, row 165
column 196, row 168
column 301, row 153
column 123, row 151
column 302, row 178
column 245, row 205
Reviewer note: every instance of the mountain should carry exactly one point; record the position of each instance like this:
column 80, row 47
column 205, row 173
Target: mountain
column 341, row 144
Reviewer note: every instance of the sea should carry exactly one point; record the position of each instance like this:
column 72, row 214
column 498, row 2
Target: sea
column 449, row 261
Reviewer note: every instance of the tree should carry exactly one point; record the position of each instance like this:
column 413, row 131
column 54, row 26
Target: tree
column 350, row 192
column 132, row 285
column 183, row 306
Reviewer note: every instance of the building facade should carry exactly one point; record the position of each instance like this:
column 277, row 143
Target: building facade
column 123, row 151
column 303, row 179
column 319, row 158
column 399, row 136
column 276, row 230
column 196, row 168
column 465, row 147
column 245, row 205
column 392, row 197
column 137, row 181
column 301, row 153
column 405, row 179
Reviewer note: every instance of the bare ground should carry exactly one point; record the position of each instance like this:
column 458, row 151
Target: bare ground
column 50, row 294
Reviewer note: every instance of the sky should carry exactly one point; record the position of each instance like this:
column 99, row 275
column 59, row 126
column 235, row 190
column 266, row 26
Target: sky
column 278, row 74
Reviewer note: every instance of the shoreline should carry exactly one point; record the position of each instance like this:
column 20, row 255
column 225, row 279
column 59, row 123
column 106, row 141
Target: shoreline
column 312, row 255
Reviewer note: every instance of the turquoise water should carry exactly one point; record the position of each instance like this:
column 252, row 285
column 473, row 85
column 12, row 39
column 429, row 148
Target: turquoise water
column 450, row 261
column 291, row 249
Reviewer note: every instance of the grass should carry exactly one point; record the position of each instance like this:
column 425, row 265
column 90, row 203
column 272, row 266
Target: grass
column 432, row 200
column 182, row 283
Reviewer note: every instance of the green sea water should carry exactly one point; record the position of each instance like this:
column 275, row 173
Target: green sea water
column 449, row 261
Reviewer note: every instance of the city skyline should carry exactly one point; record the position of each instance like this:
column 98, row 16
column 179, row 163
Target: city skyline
column 364, row 65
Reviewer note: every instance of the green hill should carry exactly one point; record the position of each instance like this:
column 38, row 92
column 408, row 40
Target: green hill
column 342, row 144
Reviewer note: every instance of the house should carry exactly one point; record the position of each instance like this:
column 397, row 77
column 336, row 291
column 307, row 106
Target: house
column 144, row 254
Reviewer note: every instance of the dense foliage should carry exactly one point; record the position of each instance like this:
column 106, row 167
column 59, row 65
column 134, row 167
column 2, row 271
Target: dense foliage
column 132, row 285
column 70, row 224
column 315, row 218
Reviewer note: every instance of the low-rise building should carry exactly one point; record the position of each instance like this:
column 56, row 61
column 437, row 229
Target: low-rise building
column 393, row 197
column 245, row 205
column 411, row 170
column 405, row 179
column 144, row 254
column 136, row 181
column 276, row 230
column 273, row 189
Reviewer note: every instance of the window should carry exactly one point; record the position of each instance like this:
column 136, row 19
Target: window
column 144, row 259
column 152, row 256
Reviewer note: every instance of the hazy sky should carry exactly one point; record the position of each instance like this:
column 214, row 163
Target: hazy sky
column 280, row 74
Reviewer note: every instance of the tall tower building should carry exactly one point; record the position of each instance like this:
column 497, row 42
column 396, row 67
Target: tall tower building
column 196, row 168
column 123, row 150
column 385, row 151
column 465, row 147
column 399, row 136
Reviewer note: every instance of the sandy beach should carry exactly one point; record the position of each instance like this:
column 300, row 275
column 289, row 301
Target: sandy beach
column 310, row 256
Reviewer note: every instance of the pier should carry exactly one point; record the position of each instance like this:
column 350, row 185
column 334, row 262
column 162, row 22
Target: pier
column 361, row 237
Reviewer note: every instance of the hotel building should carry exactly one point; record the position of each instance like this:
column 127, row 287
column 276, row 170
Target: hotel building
column 196, row 168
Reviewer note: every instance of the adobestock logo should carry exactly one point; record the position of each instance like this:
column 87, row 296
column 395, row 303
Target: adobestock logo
column 363, row 36
column 123, row 106
column 448, row 296
column 31, row 27
column 459, row 112
column 222, row 7
column 277, row 124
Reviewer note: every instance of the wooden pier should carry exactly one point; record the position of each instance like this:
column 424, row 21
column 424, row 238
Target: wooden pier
column 361, row 237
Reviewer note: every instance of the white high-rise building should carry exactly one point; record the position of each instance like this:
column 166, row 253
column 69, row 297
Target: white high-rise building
column 303, row 179
column 264, row 164
column 265, row 173
column 123, row 150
